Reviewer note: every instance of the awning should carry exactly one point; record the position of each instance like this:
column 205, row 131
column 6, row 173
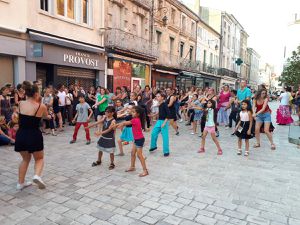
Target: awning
column 41, row 37
column 200, row 75
column 166, row 71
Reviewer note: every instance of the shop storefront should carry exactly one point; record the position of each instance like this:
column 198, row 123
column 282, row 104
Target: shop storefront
column 12, row 60
column 127, row 72
column 230, row 81
column 57, row 64
column 163, row 78
column 188, row 79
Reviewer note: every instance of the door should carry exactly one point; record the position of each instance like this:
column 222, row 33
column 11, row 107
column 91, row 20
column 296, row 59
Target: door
column 137, row 81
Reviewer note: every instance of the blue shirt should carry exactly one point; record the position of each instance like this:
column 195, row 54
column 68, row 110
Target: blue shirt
column 243, row 94
column 210, row 118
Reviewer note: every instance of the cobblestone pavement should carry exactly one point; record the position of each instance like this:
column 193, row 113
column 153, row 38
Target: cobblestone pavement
column 186, row 188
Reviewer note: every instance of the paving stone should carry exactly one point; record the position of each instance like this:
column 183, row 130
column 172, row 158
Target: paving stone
column 172, row 220
column 274, row 217
column 235, row 214
column 215, row 209
column 102, row 214
column 167, row 209
column 72, row 214
column 293, row 221
column 258, row 220
column 149, row 220
column 121, row 211
column 206, row 213
column 151, row 204
column 186, row 214
column 225, row 205
column 248, row 210
column 222, row 217
column 141, row 209
column 121, row 220
column 188, row 222
column 237, row 221
column 157, row 214
column 198, row 205
column 205, row 220
column 183, row 201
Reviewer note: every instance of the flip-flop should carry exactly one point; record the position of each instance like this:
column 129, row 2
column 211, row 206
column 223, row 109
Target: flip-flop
column 145, row 173
column 97, row 163
column 131, row 169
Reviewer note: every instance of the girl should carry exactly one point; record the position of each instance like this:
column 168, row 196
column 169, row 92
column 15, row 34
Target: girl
column 15, row 115
column 106, row 142
column 138, row 123
column 51, row 121
column 154, row 109
column 198, row 112
column 210, row 127
column 13, row 128
column 126, row 135
column 244, row 126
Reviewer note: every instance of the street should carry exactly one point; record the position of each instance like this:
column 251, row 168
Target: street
column 186, row 188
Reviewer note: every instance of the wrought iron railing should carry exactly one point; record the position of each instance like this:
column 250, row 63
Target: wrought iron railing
column 227, row 72
column 169, row 60
column 116, row 38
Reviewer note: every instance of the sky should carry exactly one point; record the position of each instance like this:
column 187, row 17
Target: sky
column 268, row 23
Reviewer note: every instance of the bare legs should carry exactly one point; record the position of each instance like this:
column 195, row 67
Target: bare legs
column 213, row 136
column 267, row 132
column 139, row 152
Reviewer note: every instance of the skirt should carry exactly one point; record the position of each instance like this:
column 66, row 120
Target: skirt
column 198, row 115
column 243, row 129
column 126, row 134
column 223, row 116
column 283, row 116
column 107, row 145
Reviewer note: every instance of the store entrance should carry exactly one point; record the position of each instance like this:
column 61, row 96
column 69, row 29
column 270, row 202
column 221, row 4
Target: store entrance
column 45, row 74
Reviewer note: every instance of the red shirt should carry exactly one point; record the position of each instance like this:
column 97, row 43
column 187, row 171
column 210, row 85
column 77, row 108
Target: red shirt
column 137, row 129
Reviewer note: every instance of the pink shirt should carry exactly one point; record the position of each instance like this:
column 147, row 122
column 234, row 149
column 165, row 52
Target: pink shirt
column 137, row 129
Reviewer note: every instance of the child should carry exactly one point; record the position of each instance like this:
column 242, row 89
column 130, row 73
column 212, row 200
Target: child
column 126, row 135
column 234, row 105
column 210, row 127
column 15, row 115
column 154, row 109
column 13, row 128
column 137, row 122
column 106, row 142
column 244, row 127
column 82, row 117
column 198, row 108
column 4, row 138
column 52, row 121
column 161, row 126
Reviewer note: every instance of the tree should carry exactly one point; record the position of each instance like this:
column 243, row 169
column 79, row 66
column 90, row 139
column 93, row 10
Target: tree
column 291, row 71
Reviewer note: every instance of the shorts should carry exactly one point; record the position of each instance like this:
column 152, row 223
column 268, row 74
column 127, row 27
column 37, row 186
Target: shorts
column 211, row 130
column 139, row 143
column 263, row 117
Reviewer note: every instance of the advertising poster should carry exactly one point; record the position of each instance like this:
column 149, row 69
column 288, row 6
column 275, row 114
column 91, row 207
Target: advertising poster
column 122, row 74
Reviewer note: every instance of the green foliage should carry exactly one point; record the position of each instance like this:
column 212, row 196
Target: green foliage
column 291, row 72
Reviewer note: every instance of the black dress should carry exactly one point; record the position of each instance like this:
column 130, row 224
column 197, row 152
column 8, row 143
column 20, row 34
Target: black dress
column 106, row 142
column 244, row 127
column 29, row 137
column 172, row 108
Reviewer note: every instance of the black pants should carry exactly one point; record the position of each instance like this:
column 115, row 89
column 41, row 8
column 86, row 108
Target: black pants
column 146, row 115
column 232, row 117
column 62, row 110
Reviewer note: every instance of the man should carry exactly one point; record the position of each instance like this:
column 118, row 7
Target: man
column 62, row 101
column 243, row 93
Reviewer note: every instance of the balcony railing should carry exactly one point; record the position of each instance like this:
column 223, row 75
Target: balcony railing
column 115, row 38
column 227, row 72
column 143, row 3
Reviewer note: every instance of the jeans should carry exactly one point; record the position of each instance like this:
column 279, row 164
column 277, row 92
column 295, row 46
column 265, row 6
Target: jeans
column 4, row 140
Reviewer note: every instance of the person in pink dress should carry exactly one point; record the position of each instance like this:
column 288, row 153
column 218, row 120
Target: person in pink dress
column 224, row 97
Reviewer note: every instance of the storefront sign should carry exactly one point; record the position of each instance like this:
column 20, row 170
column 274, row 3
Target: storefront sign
column 122, row 74
column 80, row 58
column 37, row 50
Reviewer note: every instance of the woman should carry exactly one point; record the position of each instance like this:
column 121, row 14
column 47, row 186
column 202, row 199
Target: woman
column 56, row 110
column 297, row 103
column 75, row 92
column 19, row 94
column 283, row 112
column 262, row 115
column 5, row 106
column 146, row 103
column 117, row 95
column 223, row 117
column 101, row 104
column 29, row 138
column 125, row 95
column 69, row 106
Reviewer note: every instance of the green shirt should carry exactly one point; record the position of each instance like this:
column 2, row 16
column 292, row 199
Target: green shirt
column 104, row 105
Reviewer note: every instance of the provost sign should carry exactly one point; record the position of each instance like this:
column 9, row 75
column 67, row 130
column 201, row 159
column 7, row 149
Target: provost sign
column 80, row 58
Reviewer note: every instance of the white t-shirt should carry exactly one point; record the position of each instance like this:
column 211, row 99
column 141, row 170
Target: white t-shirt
column 62, row 98
column 285, row 98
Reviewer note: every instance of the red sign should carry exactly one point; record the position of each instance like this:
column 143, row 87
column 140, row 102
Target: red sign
column 122, row 74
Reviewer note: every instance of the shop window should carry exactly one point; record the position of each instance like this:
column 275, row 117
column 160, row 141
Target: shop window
column 44, row 5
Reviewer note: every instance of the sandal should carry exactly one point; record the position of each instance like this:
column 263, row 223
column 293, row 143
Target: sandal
column 112, row 166
column 256, row 145
column 273, row 147
column 239, row 151
column 246, row 153
column 131, row 169
column 202, row 150
column 145, row 173
column 120, row 154
column 97, row 163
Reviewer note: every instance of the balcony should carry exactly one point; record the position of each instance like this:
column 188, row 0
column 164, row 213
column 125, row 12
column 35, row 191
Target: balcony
column 120, row 40
column 197, row 66
column 169, row 60
column 227, row 72
column 143, row 3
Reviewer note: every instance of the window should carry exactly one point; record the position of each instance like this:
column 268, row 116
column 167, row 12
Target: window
column 193, row 29
column 204, row 56
column 181, row 49
column 158, row 37
column 44, row 5
column 183, row 23
column 191, row 52
column 66, row 8
column 211, row 59
column 172, row 40
column 200, row 33
column 173, row 15
column 85, row 8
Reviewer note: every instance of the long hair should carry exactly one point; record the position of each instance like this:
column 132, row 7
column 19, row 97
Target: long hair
column 258, row 94
column 249, row 108
column 111, row 109
column 142, row 115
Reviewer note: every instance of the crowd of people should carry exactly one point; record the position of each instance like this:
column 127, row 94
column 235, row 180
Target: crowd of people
column 26, row 113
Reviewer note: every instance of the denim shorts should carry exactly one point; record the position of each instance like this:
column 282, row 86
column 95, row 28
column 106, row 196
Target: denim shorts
column 264, row 117
column 139, row 143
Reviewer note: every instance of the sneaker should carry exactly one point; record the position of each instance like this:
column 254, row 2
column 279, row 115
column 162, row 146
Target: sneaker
column 226, row 128
column 166, row 154
column 20, row 187
column 88, row 142
column 181, row 120
column 37, row 180
column 220, row 152
column 233, row 134
column 152, row 149
column 217, row 133
column 200, row 135
column 177, row 133
column 72, row 142
column 192, row 133
column 239, row 152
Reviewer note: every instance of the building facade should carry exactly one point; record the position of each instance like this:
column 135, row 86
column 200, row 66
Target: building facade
column 254, row 68
column 51, row 41
column 128, row 43
column 243, row 55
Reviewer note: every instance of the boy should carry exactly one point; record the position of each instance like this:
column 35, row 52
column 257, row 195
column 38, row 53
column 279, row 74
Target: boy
column 82, row 117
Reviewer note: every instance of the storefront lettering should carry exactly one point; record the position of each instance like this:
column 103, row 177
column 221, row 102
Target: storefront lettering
column 81, row 58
